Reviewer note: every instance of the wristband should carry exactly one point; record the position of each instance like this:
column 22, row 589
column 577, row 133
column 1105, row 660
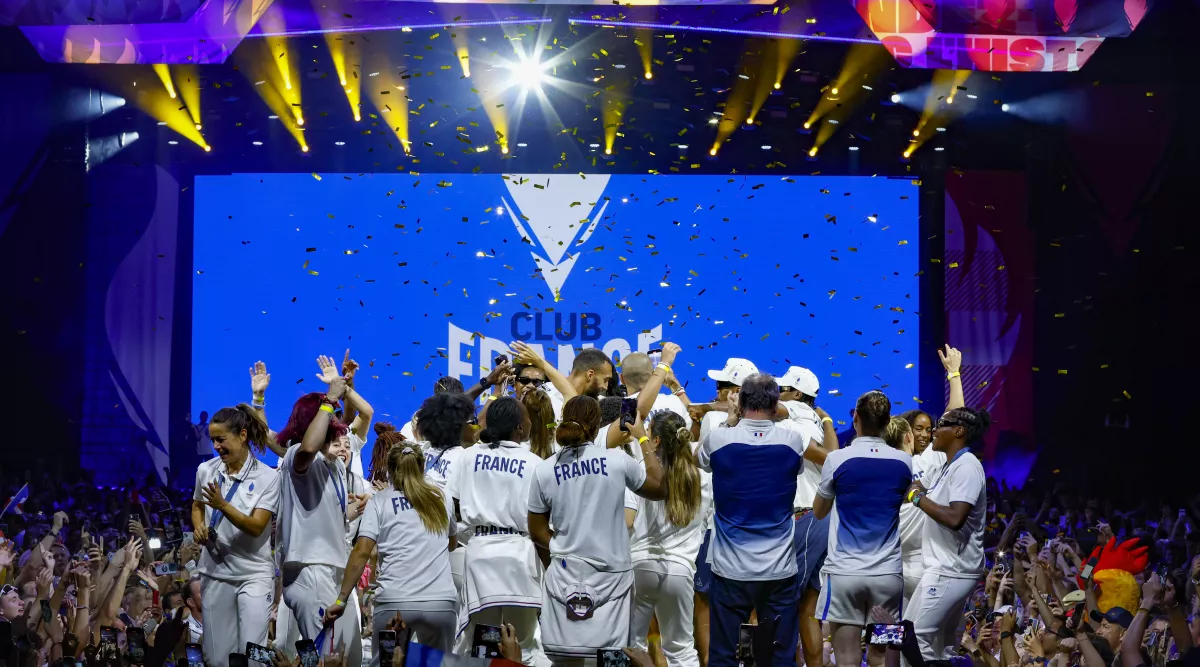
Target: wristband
column 664, row 366
column 952, row 374
column 325, row 407
column 338, row 603
column 827, row 419
column 642, row 440
column 1006, row 635
column 679, row 391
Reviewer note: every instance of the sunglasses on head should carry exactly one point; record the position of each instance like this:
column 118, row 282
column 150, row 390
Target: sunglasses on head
column 8, row 588
column 534, row 381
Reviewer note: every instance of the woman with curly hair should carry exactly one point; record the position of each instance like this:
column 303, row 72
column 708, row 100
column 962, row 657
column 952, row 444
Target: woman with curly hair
column 236, row 497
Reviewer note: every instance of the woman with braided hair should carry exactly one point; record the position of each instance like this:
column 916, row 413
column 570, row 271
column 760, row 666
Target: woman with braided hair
column 587, row 591
column 952, row 543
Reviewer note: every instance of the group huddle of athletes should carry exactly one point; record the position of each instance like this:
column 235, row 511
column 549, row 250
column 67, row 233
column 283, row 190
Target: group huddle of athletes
column 573, row 515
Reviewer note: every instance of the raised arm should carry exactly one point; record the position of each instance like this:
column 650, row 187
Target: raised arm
column 952, row 362
column 260, row 379
column 497, row 375
column 524, row 354
column 655, row 486
column 1131, row 645
column 657, row 377
column 314, row 436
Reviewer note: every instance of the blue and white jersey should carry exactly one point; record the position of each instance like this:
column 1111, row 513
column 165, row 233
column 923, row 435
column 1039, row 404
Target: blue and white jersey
column 867, row 482
column 754, row 467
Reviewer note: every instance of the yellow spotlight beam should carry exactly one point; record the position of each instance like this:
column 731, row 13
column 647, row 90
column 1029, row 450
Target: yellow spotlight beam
column 785, row 52
column 343, row 50
column 189, row 91
column 164, row 75
column 939, row 106
column 388, row 93
column 254, row 61
column 644, row 40
column 864, row 62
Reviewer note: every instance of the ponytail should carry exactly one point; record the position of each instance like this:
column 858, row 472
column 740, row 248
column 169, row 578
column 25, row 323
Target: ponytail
column 406, row 469
column 897, row 428
column 245, row 418
column 542, row 428
column 679, row 467
column 386, row 437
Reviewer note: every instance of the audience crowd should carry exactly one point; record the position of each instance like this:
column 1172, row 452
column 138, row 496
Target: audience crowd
column 598, row 517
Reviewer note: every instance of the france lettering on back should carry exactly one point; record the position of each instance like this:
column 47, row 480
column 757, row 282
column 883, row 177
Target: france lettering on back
column 565, row 472
column 499, row 463
column 400, row 504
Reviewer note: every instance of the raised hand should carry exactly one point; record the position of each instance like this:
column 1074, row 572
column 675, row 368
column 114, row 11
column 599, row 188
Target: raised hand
column 1152, row 591
column 135, row 528
column 260, row 379
column 501, row 371
column 349, row 368
column 133, row 552
column 951, row 359
column 6, row 554
column 329, row 370
column 669, row 352
column 44, row 579
column 523, row 354
column 213, row 497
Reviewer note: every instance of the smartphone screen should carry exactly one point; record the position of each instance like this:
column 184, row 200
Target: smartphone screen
column 70, row 644
column 195, row 655
column 258, row 653
column 655, row 356
column 47, row 613
column 309, row 657
column 135, row 641
column 612, row 657
column 628, row 410
column 165, row 569
column 108, row 643
column 238, row 660
column 745, row 645
column 886, row 634
column 387, row 647
column 486, row 642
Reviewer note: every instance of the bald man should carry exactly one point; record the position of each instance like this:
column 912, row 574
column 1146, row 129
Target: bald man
column 635, row 371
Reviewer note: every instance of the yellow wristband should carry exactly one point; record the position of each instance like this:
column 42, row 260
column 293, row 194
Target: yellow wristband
column 643, row 440
column 911, row 493
column 953, row 374
column 827, row 419
column 664, row 366
column 327, row 408
column 338, row 603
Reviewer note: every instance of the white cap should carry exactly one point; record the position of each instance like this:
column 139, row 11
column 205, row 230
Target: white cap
column 735, row 371
column 800, row 379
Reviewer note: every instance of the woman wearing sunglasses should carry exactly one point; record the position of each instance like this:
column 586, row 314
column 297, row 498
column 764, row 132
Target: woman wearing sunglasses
column 952, row 545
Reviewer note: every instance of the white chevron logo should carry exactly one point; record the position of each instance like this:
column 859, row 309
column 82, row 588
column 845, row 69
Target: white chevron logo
column 550, row 211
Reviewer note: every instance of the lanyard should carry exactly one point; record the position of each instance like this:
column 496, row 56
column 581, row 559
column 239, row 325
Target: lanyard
column 217, row 515
column 338, row 488
column 946, row 468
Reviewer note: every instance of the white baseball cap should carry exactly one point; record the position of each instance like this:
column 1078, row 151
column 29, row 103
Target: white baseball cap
column 735, row 371
column 800, row 379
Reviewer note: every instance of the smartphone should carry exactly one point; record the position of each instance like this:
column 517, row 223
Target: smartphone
column 70, row 644
column 135, row 645
column 745, row 645
column 501, row 359
column 238, row 660
column 259, row 653
column 612, row 657
column 47, row 613
column 387, row 647
column 108, row 644
column 655, row 356
column 486, row 642
column 307, row 650
column 195, row 655
column 628, row 410
column 165, row 569
column 886, row 634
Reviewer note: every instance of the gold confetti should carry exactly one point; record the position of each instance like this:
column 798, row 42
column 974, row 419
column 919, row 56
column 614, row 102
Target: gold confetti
column 316, row 176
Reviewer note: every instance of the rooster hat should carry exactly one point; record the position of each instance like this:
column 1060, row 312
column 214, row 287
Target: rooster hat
column 1114, row 569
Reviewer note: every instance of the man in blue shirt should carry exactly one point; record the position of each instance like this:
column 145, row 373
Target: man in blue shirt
column 863, row 485
column 754, row 466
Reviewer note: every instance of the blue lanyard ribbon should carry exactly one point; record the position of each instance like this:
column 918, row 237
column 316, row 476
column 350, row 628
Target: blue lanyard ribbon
column 946, row 468
column 217, row 515
column 338, row 488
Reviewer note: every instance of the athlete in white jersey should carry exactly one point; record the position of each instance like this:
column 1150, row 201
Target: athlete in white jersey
column 581, row 492
column 666, row 540
column 490, row 487
column 411, row 523
column 956, row 507
column 447, row 423
column 236, row 497
column 312, row 525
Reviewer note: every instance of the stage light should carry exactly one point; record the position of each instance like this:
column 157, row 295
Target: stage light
column 172, row 142
column 164, row 74
column 907, row 153
column 713, row 151
column 834, row 91
column 608, row 151
column 950, row 100
column 499, row 210
column 777, row 85
column 256, row 143
column 765, row 147
column 854, row 148
column 207, row 148
column 812, row 152
column 649, row 75
column 713, row 121
column 895, row 98
column 916, row 133
column 750, row 120
column 339, row 143
column 807, row 125
column 1004, row 108
column 304, row 148
column 198, row 126
column 939, row 149
column 299, row 118
column 527, row 73
column 504, row 148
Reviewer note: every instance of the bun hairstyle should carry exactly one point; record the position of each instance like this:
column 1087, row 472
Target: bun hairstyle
column 679, row 466
column 245, row 418
column 386, row 437
column 541, row 422
column 406, row 471
column 897, row 428
column 974, row 422
column 503, row 420
column 581, row 418
column 303, row 411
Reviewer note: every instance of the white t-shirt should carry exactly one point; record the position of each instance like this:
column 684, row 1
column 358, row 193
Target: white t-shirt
column 407, row 430
column 438, row 463
column 492, row 485
column 656, row 538
column 866, row 481
column 925, row 467
column 668, row 402
column 232, row 555
column 312, row 515
column 414, row 564
column 356, row 446
column 958, row 553
column 809, row 424
column 583, row 490
column 710, row 421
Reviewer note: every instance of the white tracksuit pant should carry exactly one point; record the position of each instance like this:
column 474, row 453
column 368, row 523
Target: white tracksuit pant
column 936, row 611
column 665, row 589
column 307, row 590
column 234, row 613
